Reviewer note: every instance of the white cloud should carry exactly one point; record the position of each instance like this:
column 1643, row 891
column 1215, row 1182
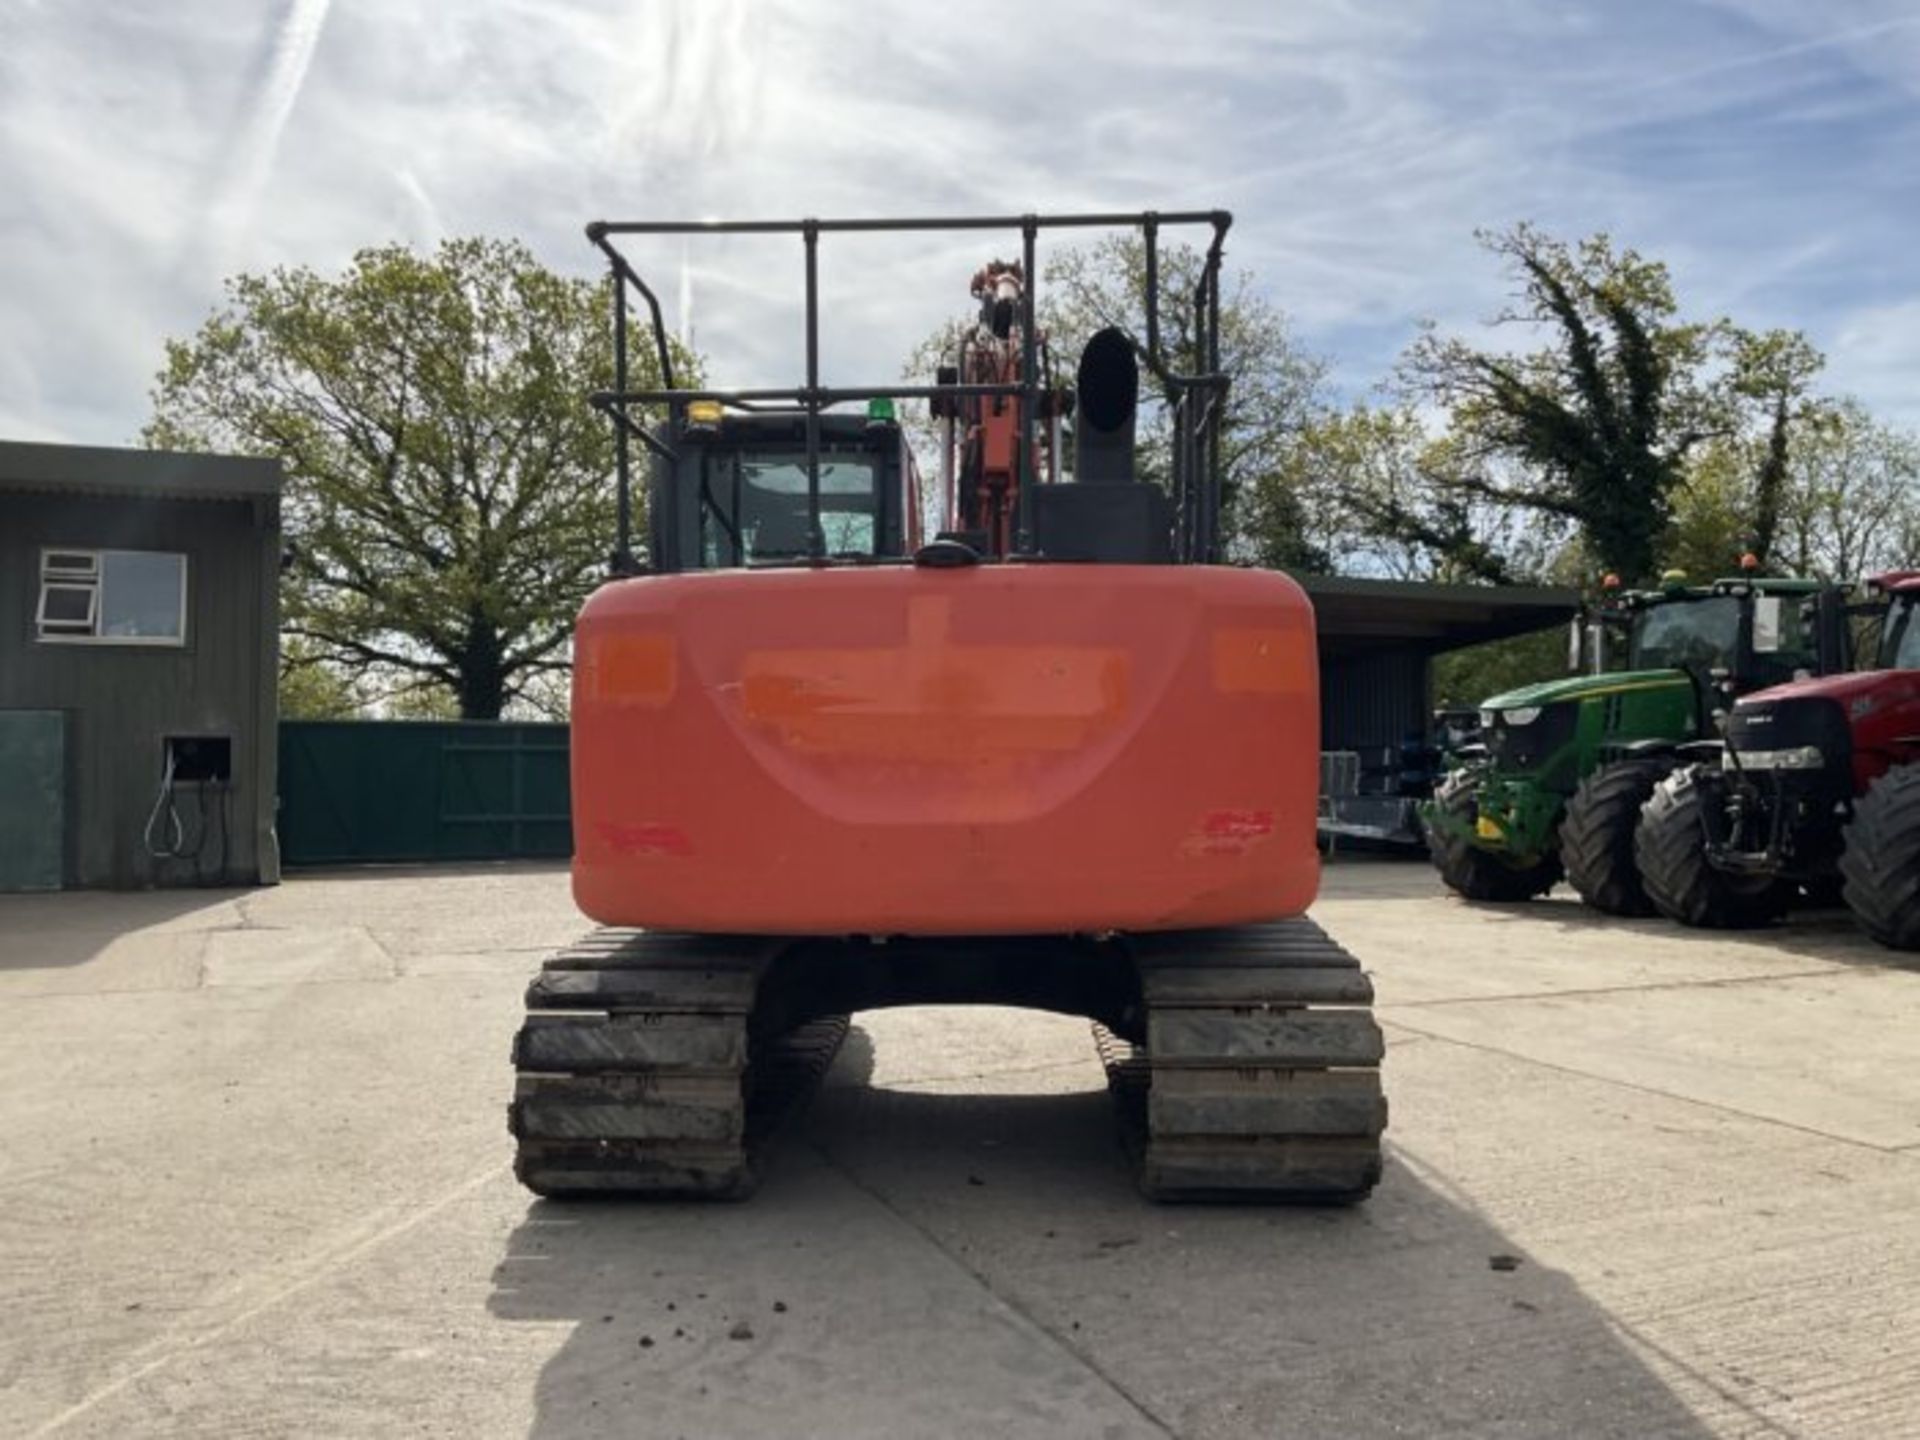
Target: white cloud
column 1761, row 146
column 1876, row 355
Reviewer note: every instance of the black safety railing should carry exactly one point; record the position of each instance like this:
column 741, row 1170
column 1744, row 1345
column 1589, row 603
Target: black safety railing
column 1196, row 395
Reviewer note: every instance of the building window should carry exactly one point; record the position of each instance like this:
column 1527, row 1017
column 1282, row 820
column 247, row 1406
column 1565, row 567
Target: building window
column 113, row 597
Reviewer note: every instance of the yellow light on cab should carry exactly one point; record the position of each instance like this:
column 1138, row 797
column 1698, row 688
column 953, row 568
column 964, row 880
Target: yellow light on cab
column 704, row 412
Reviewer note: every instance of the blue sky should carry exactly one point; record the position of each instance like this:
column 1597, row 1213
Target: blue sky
column 1764, row 148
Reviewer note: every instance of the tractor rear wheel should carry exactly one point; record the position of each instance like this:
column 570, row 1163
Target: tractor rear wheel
column 1596, row 836
column 1683, row 884
column 1477, row 873
column 1881, row 862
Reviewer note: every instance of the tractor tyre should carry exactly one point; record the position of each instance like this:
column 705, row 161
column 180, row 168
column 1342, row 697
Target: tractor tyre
column 1476, row 873
column 1881, row 861
column 1683, row 885
column 1596, row 837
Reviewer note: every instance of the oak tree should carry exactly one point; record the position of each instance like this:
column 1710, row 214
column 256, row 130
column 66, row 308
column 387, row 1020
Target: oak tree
column 448, row 498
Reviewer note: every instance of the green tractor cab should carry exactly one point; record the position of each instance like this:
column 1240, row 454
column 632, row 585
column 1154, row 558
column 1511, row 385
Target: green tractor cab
column 1555, row 787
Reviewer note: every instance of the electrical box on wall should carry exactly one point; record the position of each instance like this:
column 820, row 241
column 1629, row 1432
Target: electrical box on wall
column 204, row 758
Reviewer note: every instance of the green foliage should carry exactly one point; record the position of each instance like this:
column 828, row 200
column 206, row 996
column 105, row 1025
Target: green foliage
column 422, row 700
column 1652, row 438
column 313, row 689
column 1599, row 420
column 448, row 500
column 1712, row 513
column 1843, row 500
column 1368, row 487
column 1463, row 678
column 1775, row 371
column 1851, row 504
column 1276, row 384
column 1292, row 513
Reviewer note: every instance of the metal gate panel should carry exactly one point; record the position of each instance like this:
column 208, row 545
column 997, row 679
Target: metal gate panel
column 505, row 792
column 372, row 791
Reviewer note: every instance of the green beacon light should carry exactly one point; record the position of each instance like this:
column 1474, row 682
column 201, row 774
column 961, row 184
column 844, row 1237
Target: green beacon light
column 880, row 411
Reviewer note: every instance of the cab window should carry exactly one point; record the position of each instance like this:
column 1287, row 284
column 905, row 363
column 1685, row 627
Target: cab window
column 1700, row 633
column 1903, row 637
column 1786, row 638
column 760, row 499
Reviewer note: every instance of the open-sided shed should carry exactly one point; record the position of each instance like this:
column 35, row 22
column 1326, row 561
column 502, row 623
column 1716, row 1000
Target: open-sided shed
column 1378, row 639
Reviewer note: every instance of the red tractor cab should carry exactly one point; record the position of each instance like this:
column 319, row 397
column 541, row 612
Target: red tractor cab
column 1815, row 789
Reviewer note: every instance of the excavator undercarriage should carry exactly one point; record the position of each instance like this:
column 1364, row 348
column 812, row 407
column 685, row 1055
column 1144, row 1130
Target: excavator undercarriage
column 1244, row 1063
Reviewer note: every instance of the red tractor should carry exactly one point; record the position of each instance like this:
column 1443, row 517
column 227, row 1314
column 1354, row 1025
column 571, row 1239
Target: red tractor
column 1816, row 787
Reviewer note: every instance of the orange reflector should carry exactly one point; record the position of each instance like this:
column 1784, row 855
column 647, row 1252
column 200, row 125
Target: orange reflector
column 632, row 669
column 1261, row 662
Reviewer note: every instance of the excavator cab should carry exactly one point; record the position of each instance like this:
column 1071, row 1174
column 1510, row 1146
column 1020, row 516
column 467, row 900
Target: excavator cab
column 734, row 492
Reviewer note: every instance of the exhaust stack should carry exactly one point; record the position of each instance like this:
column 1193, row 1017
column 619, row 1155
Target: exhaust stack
column 1108, row 385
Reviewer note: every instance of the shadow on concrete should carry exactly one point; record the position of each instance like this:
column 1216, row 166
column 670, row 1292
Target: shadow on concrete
column 427, row 869
column 1825, row 934
column 71, row 927
column 944, row 1264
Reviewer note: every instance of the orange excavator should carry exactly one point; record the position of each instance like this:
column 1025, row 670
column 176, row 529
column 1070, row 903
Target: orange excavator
column 1056, row 756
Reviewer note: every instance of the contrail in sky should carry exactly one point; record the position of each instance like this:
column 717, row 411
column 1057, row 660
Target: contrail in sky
column 1828, row 40
column 252, row 161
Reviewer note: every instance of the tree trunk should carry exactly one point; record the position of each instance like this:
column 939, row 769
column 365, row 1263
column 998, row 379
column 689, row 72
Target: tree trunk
column 483, row 676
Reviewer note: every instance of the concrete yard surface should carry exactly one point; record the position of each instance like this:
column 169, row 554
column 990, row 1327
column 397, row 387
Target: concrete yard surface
column 254, row 1180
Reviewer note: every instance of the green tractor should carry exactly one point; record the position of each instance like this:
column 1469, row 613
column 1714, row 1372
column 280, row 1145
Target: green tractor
column 1555, row 786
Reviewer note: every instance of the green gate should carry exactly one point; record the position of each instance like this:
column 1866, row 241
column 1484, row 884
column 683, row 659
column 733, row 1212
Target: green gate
column 360, row 791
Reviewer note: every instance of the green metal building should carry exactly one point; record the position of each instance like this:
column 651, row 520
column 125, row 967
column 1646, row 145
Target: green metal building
column 138, row 652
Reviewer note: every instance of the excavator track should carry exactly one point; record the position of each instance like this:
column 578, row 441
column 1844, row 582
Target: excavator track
column 641, row 1070
column 1260, row 1076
